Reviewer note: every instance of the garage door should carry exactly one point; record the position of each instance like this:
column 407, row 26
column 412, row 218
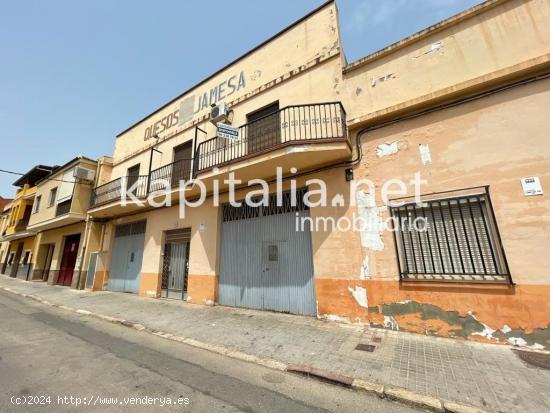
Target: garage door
column 126, row 258
column 265, row 263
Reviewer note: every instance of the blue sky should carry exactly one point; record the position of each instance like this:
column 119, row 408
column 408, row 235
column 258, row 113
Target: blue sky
column 73, row 74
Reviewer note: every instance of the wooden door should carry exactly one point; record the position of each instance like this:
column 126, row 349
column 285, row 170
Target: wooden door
column 68, row 260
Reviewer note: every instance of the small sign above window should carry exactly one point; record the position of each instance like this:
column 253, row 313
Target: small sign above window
column 227, row 131
column 531, row 186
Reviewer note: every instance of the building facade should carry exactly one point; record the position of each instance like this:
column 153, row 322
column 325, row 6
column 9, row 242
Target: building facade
column 59, row 219
column 20, row 240
column 445, row 128
column 5, row 207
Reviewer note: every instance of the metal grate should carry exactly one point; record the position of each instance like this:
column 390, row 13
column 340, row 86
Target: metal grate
column 178, row 235
column 292, row 124
column 113, row 191
column 365, row 347
column 287, row 204
column 456, row 240
column 133, row 228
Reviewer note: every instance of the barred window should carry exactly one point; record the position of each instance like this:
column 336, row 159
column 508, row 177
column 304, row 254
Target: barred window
column 449, row 240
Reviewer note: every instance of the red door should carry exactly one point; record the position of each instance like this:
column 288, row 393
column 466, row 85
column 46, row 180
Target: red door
column 70, row 251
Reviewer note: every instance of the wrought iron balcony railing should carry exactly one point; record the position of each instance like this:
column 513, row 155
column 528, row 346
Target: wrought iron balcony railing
column 169, row 176
column 292, row 124
column 115, row 190
column 321, row 122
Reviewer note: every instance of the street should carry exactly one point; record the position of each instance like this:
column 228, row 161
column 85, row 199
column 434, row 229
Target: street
column 60, row 361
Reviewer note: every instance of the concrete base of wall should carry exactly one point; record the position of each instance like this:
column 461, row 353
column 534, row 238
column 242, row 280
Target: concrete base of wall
column 517, row 315
column 150, row 285
column 202, row 289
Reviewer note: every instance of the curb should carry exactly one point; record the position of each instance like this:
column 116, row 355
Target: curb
column 383, row 391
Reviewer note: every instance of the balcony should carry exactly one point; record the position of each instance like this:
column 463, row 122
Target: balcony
column 169, row 176
column 21, row 225
column 301, row 136
column 114, row 192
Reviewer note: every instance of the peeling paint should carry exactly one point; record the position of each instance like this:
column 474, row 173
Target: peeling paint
column 386, row 149
column 486, row 332
column 505, row 329
column 434, row 47
column 389, row 76
column 389, row 322
column 517, row 341
column 372, row 224
column 364, row 273
column 425, row 155
column 434, row 320
column 360, row 295
column 337, row 318
column 358, row 91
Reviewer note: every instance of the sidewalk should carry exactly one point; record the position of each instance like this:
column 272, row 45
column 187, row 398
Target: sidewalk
column 491, row 377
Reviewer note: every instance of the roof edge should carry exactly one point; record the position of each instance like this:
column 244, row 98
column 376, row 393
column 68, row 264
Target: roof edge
column 422, row 34
column 65, row 166
column 217, row 72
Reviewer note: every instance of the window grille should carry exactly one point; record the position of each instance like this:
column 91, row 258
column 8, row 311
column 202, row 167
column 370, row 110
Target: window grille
column 452, row 239
column 231, row 213
column 133, row 228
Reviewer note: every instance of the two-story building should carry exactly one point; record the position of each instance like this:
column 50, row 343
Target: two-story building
column 5, row 207
column 59, row 219
column 461, row 105
column 18, row 260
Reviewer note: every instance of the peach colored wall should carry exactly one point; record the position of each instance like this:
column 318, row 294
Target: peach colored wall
column 80, row 200
column 508, row 34
column 319, row 84
column 493, row 141
column 304, row 44
column 203, row 250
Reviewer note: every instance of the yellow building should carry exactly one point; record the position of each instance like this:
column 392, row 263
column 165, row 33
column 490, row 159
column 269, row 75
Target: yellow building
column 461, row 104
column 59, row 220
column 18, row 260
column 5, row 207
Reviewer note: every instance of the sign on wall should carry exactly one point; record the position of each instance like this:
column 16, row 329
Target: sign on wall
column 194, row 104
column 227, row 131
column 531, row 186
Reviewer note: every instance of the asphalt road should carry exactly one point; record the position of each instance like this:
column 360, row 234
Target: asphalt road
column 62, row 362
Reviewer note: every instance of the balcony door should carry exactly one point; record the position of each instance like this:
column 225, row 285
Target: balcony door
column 68, row 260
column 181, row 167
column 133, row 176
column 263, row 129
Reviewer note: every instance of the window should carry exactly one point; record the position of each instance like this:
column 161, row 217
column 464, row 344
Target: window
column 51, row 199
column 36, row 205
column 10, row 258
column 133, row 179
column 449, row 240
column 263, row 130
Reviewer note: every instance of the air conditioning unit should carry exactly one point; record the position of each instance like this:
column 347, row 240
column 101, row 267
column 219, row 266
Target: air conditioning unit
column 219, row 113
column 84, row 174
